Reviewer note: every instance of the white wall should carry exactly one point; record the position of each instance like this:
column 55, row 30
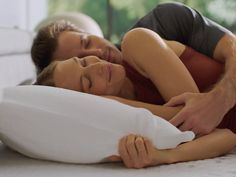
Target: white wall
column 23, row 14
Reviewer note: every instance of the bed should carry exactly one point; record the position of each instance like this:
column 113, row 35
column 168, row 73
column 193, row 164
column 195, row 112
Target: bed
column 16, row 68
column 13, row 164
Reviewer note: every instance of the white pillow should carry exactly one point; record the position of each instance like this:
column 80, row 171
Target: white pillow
column 67, row 126
column 82, row 21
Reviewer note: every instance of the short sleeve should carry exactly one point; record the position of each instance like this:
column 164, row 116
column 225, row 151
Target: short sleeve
column 175, row 21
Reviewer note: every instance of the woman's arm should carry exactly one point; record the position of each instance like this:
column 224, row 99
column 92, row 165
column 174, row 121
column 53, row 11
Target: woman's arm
column 217, row 143
column 138, row 152
column 152, row 57
column 159, row 110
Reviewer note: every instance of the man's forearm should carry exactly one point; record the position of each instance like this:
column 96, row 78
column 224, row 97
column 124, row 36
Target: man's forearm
column 226, row 87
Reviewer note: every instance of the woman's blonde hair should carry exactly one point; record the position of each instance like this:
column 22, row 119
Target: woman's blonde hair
column 46, row 77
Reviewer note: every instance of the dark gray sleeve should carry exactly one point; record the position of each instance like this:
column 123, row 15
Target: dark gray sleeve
column 175, row 21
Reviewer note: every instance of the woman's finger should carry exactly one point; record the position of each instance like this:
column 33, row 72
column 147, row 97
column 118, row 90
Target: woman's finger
column 148, row 146
column 131, row 148
column 142, row 152
column 124, row 153
column 114, row 158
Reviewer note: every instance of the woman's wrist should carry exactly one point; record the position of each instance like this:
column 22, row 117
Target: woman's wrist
column 167, row 156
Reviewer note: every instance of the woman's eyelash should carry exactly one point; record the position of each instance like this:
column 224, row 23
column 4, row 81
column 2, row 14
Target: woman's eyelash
column 90, row 83
column 84, row 63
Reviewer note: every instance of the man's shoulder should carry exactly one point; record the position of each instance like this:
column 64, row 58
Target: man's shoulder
column 173, row 9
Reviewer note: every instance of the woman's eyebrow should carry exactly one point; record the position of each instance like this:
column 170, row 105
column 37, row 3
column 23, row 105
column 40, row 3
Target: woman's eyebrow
column 80, row 79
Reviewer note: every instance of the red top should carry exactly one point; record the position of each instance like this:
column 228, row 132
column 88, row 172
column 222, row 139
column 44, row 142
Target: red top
column 204, row 70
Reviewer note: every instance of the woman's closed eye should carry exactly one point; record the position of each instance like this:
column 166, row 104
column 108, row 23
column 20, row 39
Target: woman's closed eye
column 87, row 84
column 83, row 62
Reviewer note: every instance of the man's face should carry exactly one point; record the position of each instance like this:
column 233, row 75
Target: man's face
column 77, row 44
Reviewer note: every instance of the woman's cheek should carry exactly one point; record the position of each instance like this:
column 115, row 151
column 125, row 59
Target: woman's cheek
column 99, row 88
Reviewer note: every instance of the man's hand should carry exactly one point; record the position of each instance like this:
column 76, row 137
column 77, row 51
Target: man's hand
column 202, row 112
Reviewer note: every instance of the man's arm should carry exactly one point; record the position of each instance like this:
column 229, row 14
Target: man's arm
column 203, row 112
column 226, row 52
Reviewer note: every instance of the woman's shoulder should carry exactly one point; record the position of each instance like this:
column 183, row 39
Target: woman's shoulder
column 176, row 46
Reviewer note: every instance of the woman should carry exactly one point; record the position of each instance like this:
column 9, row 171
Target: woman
column 149, row 76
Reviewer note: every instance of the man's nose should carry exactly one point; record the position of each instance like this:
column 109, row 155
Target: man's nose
column 95, row 52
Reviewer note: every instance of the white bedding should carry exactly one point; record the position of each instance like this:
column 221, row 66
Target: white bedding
column 16, row 66
column 13, row 164
column 16, row 69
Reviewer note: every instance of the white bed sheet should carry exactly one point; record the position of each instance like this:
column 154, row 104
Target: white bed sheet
column 13, row 164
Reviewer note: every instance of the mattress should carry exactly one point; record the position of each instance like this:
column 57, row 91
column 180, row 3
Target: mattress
column 13, row 164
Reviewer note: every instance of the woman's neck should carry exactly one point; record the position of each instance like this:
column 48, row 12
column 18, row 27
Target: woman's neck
column 127, row 91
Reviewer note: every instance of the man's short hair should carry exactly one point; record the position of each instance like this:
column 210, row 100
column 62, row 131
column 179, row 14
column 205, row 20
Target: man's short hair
column 45, row 42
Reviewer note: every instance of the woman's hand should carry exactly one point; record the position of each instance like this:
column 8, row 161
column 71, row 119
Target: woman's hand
column 138, row 152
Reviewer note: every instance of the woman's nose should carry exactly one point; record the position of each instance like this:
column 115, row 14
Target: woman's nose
column 88, row 52
column 96, row 68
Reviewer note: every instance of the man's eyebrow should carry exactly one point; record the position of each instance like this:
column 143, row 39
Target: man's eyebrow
column 80, row 79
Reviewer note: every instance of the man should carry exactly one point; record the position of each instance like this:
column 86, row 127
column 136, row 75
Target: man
column 202, row 111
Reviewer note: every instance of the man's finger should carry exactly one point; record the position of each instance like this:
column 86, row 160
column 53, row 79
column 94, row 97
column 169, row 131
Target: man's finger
column 196, row 132
column 177, row 100
column 178, row 119
column 185, row 127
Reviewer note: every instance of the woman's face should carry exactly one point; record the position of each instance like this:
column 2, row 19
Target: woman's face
column 90, row 75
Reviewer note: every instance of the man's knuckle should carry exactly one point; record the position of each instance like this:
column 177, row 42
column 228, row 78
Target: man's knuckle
column 205, row 129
